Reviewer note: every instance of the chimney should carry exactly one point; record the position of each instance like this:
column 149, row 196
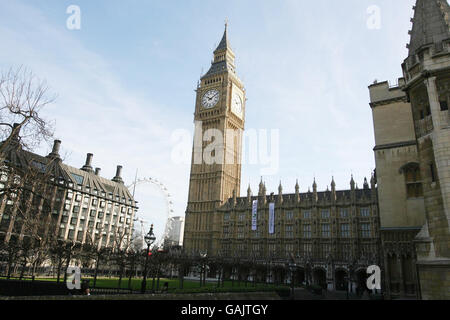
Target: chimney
column 97, row 171
column 87, row 166
column 118, row 177
column 55, row 150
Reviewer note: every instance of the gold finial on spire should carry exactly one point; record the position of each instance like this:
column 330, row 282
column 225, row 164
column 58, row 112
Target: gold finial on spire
column 226, row 23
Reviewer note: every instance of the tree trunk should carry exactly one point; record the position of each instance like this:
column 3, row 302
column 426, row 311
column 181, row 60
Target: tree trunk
column 96, row 270
column 120, row 277
column 59, row 269
column 22, row 271
column 131, row 275
column 181, row 276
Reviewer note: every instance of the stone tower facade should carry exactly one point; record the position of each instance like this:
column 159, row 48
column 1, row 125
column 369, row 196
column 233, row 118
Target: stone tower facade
column 216, row 157
column 400, row 189
column 426, row 87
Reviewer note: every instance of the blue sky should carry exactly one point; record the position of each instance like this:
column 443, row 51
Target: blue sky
column 125, row 81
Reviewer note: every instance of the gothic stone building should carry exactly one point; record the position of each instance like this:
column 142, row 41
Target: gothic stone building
column 412, row 152
column 330, row 236
column 76, row 205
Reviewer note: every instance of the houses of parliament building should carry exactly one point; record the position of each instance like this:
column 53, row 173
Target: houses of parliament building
column 327, row 234
column 399, row 219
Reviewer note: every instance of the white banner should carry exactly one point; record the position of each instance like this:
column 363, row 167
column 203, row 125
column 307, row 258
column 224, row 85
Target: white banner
column 254, row 214
column 271, row 217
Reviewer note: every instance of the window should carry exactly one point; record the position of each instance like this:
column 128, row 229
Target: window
column 344, row 212
column 241, row 247
column 306, row 214
column 39, row 165
column 241, row 216
column 325, row 214
column 78, row 178
column 289, row 215
column 365, row 230
column 76, row 209
column 422, row 115
column 272, row 248
column 345, row 230
column 325, row 250
column 289, row 231
column 307, row 248
column 307, row 231
column 413, row 180
column 325, row 230
column 289, row 248
column 444, row 105
column 364, row 212
column 433, row 176
column 226, row 216
column 93, row 213
column 240, row 233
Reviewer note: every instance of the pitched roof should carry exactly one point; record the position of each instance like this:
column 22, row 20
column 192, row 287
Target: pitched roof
column 224, row 64
column 224, row 43
column 430, row 24
column 14, row 155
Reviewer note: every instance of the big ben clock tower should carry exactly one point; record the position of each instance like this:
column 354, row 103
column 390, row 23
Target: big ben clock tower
column 216, row 156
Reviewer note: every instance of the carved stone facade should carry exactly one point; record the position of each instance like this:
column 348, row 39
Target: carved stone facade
column 424, row 92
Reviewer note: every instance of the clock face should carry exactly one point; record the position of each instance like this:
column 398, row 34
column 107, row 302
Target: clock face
column 210, row 99
column 236, row 104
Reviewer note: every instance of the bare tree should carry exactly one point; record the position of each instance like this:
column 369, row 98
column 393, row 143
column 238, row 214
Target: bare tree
column 22, row 98
column 120, row 252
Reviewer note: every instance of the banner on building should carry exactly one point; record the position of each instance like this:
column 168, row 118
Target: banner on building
column 271, row 217
column 254, row 214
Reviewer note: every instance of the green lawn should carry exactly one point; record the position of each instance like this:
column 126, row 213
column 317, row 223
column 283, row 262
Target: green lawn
column 188, row 285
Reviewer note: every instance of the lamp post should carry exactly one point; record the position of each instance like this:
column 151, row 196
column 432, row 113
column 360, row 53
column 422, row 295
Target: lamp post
column 149, row 240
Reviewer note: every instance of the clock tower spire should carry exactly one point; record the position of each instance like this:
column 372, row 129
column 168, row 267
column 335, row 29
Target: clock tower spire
column 216, row 157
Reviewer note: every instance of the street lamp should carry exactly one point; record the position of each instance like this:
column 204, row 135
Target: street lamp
column 149, row 240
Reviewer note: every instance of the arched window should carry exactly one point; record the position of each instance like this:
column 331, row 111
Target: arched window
column 413, row 180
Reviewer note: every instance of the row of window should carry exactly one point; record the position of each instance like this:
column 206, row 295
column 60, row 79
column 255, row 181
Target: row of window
column 306, row 248
column 325, row 231
column 99, row 193
column 324, row 214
